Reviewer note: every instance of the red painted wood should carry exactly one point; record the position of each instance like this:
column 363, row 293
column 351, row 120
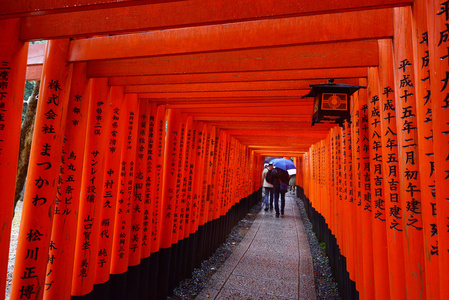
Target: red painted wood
column 332, row 55
column 337, row 27
column 241, row 76
column 182, row 14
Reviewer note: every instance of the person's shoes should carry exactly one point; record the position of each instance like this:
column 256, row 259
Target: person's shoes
column 266, row 209
column 271, row 207
column 277, row 215
column 282, row 212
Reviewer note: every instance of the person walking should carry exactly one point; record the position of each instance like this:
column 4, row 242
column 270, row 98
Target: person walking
column 280, row 181
column 268, row 186
column 292, row 183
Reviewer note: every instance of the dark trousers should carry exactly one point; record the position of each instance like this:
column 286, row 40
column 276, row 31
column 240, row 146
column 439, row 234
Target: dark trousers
column 276, row 200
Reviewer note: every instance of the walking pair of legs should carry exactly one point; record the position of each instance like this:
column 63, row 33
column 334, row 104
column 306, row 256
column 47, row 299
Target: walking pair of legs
column 276, row 193
column 268, row 197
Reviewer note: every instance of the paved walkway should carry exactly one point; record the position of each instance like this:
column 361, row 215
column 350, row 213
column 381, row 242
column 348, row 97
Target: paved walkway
column 273, row 261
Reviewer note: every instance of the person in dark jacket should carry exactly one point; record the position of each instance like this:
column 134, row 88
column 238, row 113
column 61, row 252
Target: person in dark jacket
column 280, row 180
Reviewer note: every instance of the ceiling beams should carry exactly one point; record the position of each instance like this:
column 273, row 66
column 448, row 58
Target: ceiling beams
column 239, row 65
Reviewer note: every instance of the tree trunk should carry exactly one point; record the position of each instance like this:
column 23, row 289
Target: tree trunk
column 26, row 136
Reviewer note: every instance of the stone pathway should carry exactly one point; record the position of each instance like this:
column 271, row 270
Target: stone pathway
column 272, row 262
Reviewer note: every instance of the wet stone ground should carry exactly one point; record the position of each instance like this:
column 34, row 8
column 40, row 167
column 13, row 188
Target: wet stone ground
column 325, row 286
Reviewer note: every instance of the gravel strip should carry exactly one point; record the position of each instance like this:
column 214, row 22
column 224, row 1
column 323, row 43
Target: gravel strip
column 325, row 285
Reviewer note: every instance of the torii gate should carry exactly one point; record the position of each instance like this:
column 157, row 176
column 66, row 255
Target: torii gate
column 144, row 105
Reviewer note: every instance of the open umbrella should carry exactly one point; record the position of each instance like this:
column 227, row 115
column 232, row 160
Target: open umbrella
column 284, row 164
column 269, row 159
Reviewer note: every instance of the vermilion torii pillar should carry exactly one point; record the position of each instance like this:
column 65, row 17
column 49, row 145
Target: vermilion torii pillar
column 409, row 183
column 13, row 59
column 43, row 173
column 63, row 235
column 91, row 188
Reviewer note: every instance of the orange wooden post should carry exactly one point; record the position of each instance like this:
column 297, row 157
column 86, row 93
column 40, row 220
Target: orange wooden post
column 393, row 205
column 196, row 150
column 115, row 132
column 43, row 172
column 63, row 235
column 13, row 57
column 352, row 207
column 149, row 181
column 169, row 182
column 409, row 180
column 380, row 254
column 364, row 187
column 168, row 209
column 138, row 206
column 426, row 152
column 157, row 178
column 191, row 181
column 437, row 18
column 122, row 234
column 187, row 179
column 91, row 189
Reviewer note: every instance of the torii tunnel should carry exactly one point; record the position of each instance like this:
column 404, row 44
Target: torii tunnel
column 154, row 119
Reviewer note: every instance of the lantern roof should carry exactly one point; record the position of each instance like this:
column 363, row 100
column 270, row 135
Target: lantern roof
column 330, row 86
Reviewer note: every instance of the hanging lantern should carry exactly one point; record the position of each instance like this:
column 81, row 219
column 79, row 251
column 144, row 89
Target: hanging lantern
column 331, row 101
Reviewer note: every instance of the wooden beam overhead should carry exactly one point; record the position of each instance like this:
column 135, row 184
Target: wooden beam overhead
column 332, row 55
column 327, row 28
column 343, row 73
column 179, row 14
column 231, row 86
column 20, row 8
column 218, row 96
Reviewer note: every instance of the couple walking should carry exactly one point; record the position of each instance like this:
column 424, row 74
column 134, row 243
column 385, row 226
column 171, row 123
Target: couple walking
column 275, row 183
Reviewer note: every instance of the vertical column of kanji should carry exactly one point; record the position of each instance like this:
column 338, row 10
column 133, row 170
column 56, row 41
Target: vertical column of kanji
column 338, row 183
column 367, row 228
column 123, row 234
column 13, row 61
column 438, row 35
column 198, row 175
column 425, row 141
column 62, row 246
column 149, row 181
column 357, row 179
column 111, row 171
column 211, row 166
column 191, row 180
column 352, row 208
column 216, row 173
column 43, row 173
column 91, row 188
column 408, row 154
column 345, row 213
column 328, row 178
column 380, row 254
column 158, row 169
column 222, row 170
column 390, row 171
column 203, row 192
column 186, row 190
column 138, row 205
column 331, row 180
column 213, row 183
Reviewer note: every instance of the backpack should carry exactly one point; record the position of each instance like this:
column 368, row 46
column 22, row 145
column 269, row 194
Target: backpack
column 269, row 177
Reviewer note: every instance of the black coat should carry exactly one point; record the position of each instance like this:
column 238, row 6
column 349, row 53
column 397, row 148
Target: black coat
column 278, row 176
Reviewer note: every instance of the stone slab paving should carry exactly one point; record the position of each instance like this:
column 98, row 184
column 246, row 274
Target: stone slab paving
column 273, row 261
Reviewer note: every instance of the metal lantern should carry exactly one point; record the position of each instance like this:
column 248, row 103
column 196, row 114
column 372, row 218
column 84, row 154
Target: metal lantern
column 331, row 101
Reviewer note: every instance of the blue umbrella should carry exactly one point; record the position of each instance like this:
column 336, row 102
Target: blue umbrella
column 269, row 159
column 284, row 164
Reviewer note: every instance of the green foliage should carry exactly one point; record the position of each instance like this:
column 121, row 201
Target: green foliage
column 323, row 246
